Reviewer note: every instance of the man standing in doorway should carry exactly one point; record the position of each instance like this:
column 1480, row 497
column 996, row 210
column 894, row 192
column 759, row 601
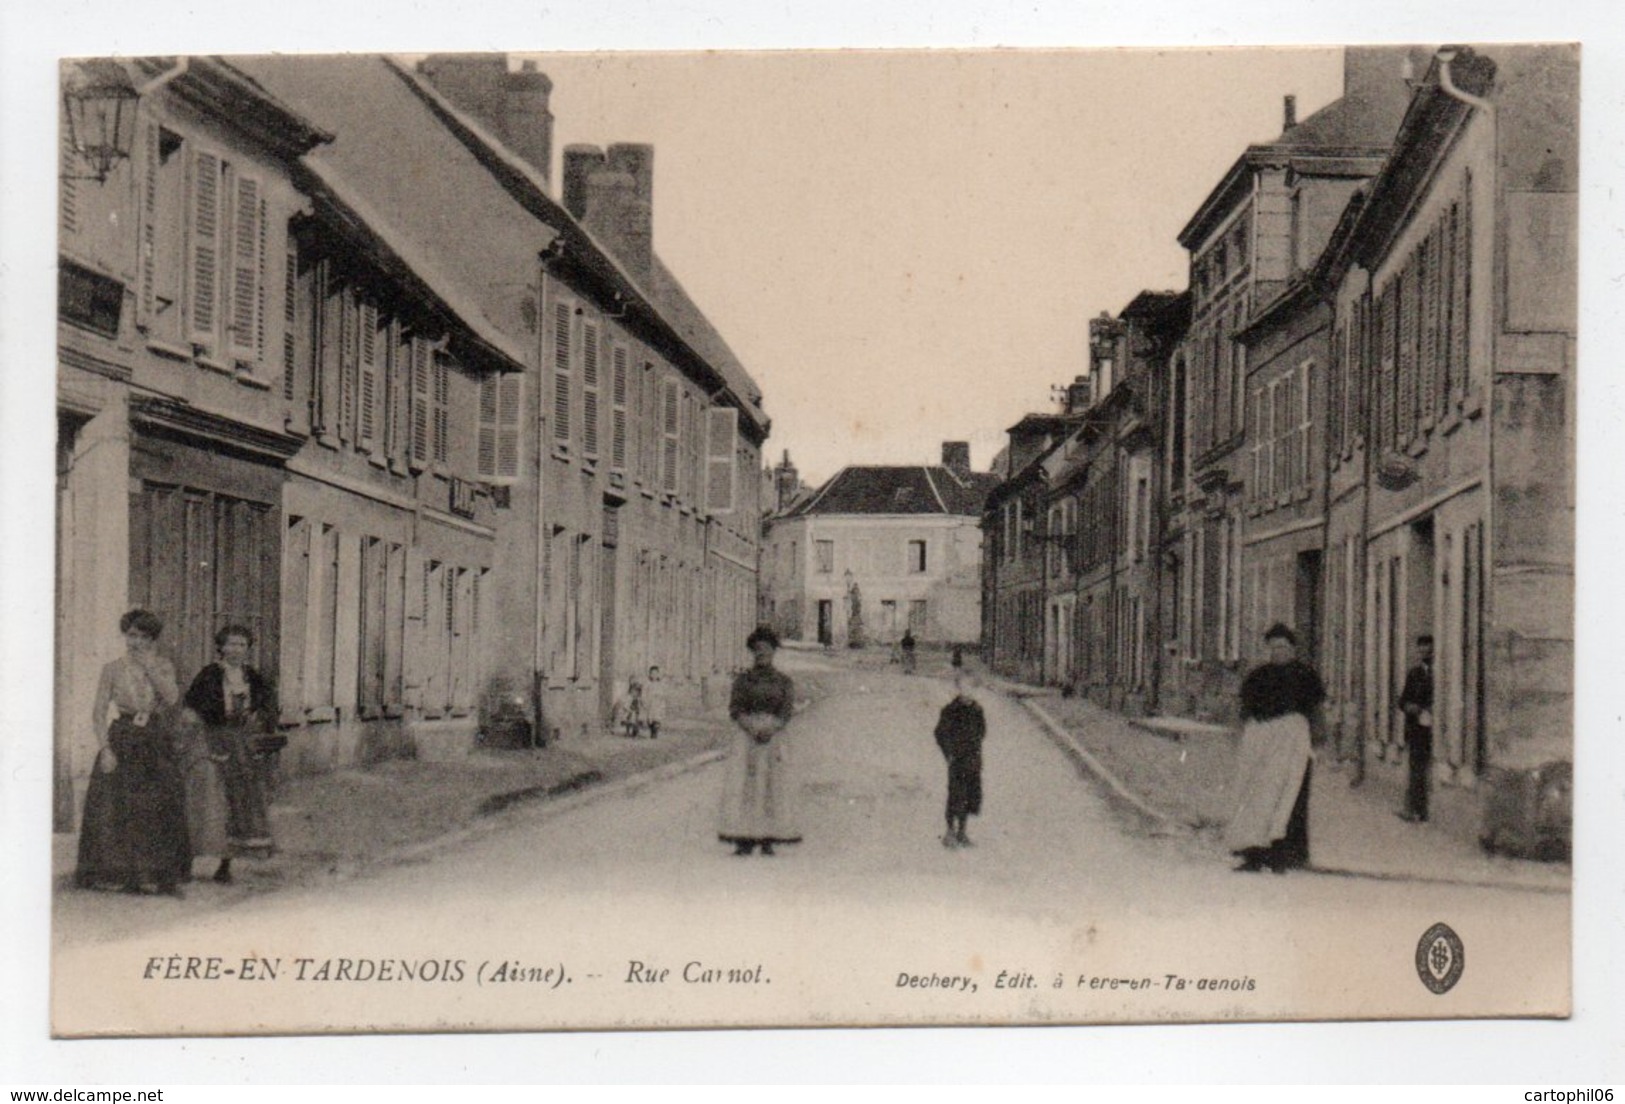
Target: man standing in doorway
column 1416, row 702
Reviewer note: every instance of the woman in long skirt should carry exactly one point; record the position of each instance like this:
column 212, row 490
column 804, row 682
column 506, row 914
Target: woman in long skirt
column 237, row 707
column 759, row 796
column 1269, row 826
column 133, row 833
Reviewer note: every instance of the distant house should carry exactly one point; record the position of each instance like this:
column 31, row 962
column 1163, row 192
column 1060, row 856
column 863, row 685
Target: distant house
column 880, row 550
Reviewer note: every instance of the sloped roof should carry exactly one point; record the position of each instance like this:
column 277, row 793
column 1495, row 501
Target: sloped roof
column 912, row 489
column 690, row 321
column 415, row 185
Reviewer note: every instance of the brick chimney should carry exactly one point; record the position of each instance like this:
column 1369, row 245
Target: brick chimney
column 512, row 106
column 956, row 457
column 786, row 482
column 611, row 196
column 1289, row 113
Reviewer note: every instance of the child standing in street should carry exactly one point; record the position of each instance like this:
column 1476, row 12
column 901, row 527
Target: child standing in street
column 960, row 730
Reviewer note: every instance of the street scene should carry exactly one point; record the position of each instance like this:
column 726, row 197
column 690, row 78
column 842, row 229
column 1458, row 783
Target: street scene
column 1109, row 561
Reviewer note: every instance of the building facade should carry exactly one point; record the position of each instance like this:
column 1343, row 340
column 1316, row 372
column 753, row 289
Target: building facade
column 335, row 365
column 879, row 551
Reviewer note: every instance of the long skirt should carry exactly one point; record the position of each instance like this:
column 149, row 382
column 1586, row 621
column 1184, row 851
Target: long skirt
column 246, row 777
column 758, row 796
column 134, row 826
column 1270, row 775
column 965, row 786
column 205, row 797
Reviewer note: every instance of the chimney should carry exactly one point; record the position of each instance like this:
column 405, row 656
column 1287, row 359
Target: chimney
column 580, row 162
column 512, row 106
column 1369, row 70
column 1079, row 395
column 527, row 119
column 620, row 220
column 956, row 457
column 1289, row 113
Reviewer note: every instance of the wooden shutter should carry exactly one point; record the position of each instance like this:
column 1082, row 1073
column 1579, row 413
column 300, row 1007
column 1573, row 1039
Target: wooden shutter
column 203, row 281
column 721, row 432
column 1461, row 294
column 67, row 163
column 290, row 323
column 589, row 390
column 369, row 363
column 295, row 611
column 617, row 447
column 510, row 424
column 422, row 384
column 562, row 317
column 247, row 269
column 348, row 326
column 147, row 274
column 669, row 429
column 486, row 436
column 442, row 407
column 1305, row 423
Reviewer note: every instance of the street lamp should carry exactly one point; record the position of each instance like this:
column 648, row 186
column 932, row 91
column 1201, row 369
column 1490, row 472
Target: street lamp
column 101, row 108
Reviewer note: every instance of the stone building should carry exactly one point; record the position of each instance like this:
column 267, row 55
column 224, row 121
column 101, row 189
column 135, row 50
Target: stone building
column 878, row 551
column 1450, row 426
column 1267, row 218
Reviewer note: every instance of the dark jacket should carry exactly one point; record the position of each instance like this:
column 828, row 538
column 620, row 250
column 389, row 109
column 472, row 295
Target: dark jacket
column 206, row 697
column 960, row 729
column 1276, row 689
column 1418, row 691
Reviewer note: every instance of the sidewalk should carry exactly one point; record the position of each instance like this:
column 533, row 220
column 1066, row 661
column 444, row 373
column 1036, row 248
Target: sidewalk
column 1177, row 774
column 338, row 824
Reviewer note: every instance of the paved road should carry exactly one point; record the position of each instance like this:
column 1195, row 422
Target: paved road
column 869, row 920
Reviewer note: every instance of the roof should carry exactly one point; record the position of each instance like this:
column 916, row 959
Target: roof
column 893, row 490
column 673, row 314
column 1348, row 137
column 416, row 187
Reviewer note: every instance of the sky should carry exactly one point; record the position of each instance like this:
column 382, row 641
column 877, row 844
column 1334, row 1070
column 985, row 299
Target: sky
column 905, row 247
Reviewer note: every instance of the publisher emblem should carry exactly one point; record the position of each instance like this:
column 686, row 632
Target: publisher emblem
column 1440, row 958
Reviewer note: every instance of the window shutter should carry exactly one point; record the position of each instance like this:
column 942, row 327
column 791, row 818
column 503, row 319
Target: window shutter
column 147, row 277
column 510, row 425
column 561, row 373
column 589, row 390
column 369, row 363
column 246, row 266
column 1305, row 424
column 290, row 322
column 719, row 459
column 296, row 607
column 421, row 386
column 68, row 187
column 441, row 429
column 669, row 430
column 204, row 278
column 1463, row 293
column 347, row 362
column 617, row 447
column 486, row 440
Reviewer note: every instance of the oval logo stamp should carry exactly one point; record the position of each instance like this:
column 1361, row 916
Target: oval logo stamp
column 1440, row 958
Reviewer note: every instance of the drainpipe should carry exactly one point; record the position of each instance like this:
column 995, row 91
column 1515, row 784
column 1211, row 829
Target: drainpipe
column 1486, row 570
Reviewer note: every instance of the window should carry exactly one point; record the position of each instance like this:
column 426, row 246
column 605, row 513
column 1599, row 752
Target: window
column 722, row 431
column 916, row 615
column 618, row 401
column 202, row 242
column 563, row 315
column 826, row 557
column 916, row 557
column 500, row 426
column 589, row 390
column 670, row 453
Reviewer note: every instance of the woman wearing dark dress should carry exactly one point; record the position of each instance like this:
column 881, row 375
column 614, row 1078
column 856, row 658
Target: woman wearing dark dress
column 1279, row 700
column 236, row 706
column 758, row 798
column 133, row 833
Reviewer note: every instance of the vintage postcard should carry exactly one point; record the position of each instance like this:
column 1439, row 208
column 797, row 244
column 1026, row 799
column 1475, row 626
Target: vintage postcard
column 814, row 538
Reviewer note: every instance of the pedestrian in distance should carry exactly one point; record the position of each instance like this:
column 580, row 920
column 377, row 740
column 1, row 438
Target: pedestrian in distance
column 961, row 728
column 133, row 833
column 759, row 793
column 1416, row 703
column 652, row 701
column 231, row 764
column 908, row 645
column 1280, row 701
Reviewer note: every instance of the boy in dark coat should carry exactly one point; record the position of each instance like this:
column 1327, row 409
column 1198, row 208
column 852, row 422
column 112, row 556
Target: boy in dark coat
column 1416, row 702
column 960, row 730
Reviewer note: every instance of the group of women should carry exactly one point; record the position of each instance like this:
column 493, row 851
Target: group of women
column 176, row 778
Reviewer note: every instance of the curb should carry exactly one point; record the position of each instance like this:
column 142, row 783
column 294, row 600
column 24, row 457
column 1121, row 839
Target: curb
column 544, row 803
column 1069, row 743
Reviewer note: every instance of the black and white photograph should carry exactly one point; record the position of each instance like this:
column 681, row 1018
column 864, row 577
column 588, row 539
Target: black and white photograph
column 555, row 540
